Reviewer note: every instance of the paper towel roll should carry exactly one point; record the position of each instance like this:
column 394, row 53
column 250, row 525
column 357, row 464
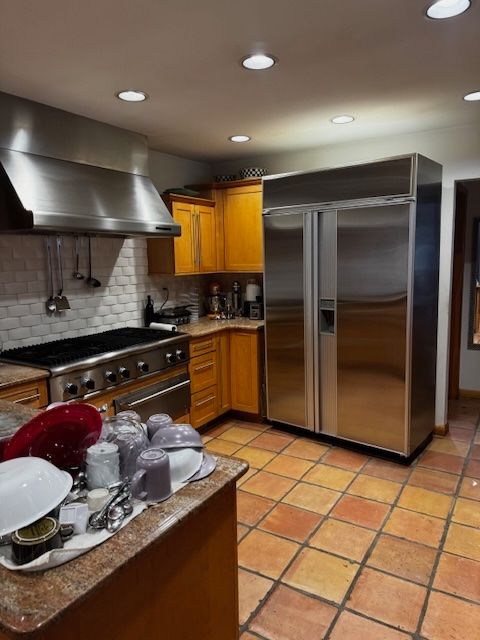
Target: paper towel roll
column 164, row 326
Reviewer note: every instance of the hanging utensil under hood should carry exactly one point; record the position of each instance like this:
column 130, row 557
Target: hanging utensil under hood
column 61, row 300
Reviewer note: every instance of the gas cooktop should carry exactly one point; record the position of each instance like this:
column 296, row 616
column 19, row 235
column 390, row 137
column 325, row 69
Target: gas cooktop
column 60, row 352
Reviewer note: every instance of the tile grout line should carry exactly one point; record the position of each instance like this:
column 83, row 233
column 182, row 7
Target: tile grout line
column 441, row 544
column 366, row 557
column 324, row 517
column 276, row 582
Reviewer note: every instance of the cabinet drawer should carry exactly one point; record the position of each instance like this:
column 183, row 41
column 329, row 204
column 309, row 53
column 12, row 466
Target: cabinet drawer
column 204, row 406
column 30, row 394
column 202, row 345
column 203, row 371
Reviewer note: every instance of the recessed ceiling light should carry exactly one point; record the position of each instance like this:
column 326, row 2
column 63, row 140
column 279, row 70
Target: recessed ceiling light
column 472, row 97
column 258, row 61
column 132, row 95
column 342, row 119
column 447, row 8
column 239, row 138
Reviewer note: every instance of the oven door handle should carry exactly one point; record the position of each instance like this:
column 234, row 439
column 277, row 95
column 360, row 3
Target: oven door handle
column 163, row 392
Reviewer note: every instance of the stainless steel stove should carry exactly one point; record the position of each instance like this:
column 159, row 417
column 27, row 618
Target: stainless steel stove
column 84, row 366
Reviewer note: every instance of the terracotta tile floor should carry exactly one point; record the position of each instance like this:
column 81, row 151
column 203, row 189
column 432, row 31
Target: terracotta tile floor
column 341, row 546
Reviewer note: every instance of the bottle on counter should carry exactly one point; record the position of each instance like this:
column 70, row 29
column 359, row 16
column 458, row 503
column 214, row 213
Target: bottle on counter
column 149, row 311
column 237, row 298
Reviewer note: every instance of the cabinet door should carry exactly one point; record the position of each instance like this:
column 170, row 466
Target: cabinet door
column 244, row 371
column 29, row 394
column 204, row 407
column 206, row 238
column 243, row 228
column 185, row 245
column 223, row 369
column 203, row 371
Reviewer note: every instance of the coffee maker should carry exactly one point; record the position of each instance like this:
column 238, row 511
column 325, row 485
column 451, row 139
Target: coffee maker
column 216, row 302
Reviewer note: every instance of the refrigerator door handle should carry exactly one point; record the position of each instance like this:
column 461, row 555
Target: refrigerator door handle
column 310, row 258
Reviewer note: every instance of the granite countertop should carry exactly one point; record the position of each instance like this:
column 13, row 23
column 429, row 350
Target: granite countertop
column 13, row 374
column 31, row 600
column 12, row 416
column 204, row 326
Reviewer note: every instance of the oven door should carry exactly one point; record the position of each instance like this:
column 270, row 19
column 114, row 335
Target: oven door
column 170, row 396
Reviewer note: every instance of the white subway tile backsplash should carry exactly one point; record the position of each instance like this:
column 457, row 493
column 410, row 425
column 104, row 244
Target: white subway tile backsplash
column 120, row 265
column 19, row 334
column 8, row 323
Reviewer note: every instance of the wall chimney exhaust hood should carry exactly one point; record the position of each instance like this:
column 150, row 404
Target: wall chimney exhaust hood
column 63, row 173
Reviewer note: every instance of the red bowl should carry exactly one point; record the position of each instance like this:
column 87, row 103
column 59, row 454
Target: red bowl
column 60, row 435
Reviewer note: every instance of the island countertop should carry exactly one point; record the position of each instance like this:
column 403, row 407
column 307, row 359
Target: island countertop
column 12, row 417
column 30, row 601
column 204, row 326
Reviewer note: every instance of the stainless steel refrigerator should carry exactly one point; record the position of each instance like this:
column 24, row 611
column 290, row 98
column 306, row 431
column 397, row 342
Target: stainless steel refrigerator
column 351, row 293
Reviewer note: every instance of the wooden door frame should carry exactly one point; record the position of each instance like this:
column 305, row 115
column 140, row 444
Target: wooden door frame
column 458, row 268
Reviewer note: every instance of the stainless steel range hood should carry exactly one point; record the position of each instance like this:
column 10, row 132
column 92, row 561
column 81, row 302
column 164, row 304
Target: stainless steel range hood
column 62, row 173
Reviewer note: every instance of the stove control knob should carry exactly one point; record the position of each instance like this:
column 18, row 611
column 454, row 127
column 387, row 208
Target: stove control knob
column 171, row 358
column 125, row 373
column 181, row 355
column 88, row 383
column 143, row 366
column 72, row 389
column 111, row 376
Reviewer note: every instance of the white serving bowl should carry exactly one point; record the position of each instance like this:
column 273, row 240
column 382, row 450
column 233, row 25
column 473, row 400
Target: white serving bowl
column 29, row 489
column 184, row 463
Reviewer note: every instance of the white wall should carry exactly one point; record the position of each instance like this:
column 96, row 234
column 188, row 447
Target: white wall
column 168, row 171
column 469, row 358
column 456, row 148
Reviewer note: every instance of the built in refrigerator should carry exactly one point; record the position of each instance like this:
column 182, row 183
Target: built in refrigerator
column 351, row 295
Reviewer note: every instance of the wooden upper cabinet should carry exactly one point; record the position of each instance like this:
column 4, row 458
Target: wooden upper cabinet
column 242, row 219
column 195, row 250
column 184, row 246
column 206, row 238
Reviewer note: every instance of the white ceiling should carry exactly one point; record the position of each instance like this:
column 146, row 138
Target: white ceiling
column 379, row 60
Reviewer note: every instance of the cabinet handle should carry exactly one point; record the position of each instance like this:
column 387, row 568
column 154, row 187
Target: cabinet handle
column 103, row 408
column 199, row 241
column 202, row 402
column 194, row 239
column 36, row 396
column 202, row 345
column 201, row 367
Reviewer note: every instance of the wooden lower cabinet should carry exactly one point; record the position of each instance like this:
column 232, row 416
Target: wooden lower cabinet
column 204, row 406
column 225, row 376
column 244, row 368
column 29, row 394
column 203, row 371
column 223, row 369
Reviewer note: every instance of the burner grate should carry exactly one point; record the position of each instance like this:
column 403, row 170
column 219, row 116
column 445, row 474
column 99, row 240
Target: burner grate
column 60, row 352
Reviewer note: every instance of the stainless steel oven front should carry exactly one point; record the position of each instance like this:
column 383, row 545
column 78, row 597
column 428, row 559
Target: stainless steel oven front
column 170, row 396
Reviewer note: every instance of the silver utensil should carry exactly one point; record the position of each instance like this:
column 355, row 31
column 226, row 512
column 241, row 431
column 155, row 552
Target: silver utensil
column 50, row 303
column 76, row 274
column 127, row 508
column 93, row 282
column 98, row 519
column 61, row 301
column 115, row 517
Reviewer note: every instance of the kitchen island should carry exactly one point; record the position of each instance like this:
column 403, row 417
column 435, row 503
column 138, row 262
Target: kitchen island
column 170, row 573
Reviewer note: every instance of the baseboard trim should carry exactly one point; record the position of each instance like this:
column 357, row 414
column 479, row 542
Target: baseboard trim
column 469, row 393
column 441, row 429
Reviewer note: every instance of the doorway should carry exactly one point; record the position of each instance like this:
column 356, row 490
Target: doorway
column 467, row 206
